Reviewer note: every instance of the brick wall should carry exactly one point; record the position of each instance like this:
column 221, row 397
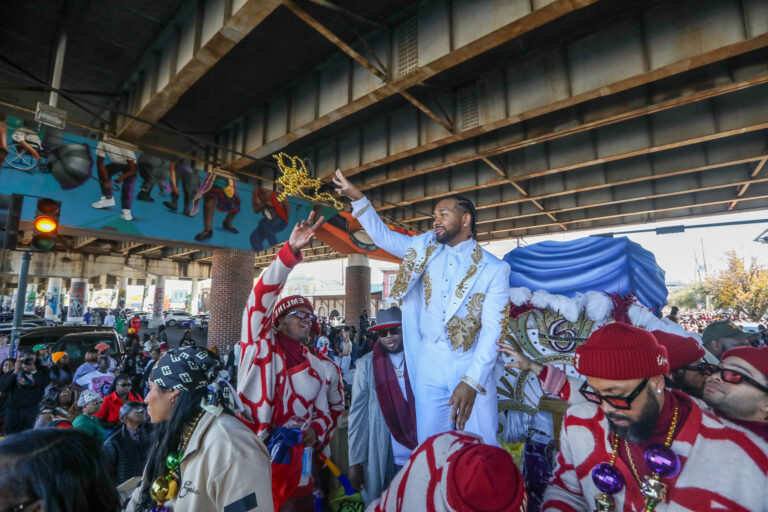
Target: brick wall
column 358, row 290
column 232, row 276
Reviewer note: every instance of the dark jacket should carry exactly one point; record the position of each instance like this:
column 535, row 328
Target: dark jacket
column 125, row 457
column 18, row 397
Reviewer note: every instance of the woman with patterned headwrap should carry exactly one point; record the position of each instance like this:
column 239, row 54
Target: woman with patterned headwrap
column 203, row 458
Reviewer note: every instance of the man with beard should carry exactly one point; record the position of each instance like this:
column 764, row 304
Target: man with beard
column 738, row 389
column 382, row 417
column 455, row 297
column 636, row 445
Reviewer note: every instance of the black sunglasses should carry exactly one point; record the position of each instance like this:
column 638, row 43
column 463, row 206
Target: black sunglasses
column 386, row 333
column 734, row 377
column 615, row 401
column 703, row 368
column 302, row 315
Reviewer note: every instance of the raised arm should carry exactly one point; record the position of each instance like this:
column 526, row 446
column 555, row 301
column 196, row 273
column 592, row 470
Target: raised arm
column 391, row 241
column 257, row 317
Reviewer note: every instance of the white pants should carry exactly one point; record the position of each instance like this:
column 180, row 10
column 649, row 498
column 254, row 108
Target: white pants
column 438, row 372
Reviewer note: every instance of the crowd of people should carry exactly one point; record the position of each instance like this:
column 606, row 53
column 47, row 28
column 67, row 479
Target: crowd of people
column 656, row 421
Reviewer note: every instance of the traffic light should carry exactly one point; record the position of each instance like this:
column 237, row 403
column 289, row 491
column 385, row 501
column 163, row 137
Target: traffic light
column 46, row 224
column 10, row 215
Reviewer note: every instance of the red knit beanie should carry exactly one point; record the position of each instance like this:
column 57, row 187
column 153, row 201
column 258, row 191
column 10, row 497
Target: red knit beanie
column 290, row 303
column 484, row 478
column 619, row 351
column 680, row 351
column 757, row 357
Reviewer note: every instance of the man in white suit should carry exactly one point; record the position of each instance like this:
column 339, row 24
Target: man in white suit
column 455, row 297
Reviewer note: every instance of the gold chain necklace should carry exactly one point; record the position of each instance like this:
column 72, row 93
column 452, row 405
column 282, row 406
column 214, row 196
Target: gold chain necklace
column 651, row 487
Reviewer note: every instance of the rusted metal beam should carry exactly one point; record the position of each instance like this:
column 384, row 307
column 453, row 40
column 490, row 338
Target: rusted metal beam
column 439, row 120
column 333, row 38
column 538, row 18
column 684, row 98
column 644, row 207
column 83, row 242
column 745, row 186
column 229, row 35
column 525, row 175
column 152, row 248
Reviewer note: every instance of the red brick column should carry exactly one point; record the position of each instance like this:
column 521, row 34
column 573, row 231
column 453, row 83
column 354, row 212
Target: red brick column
column 232, row 276
column 358, row 288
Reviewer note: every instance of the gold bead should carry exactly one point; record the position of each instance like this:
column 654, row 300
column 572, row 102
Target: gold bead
column 296, row 181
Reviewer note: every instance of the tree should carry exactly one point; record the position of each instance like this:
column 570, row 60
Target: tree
column 689, row 296
column 741, row 288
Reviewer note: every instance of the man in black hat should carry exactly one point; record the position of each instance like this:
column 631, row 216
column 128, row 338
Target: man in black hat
column 382, row 417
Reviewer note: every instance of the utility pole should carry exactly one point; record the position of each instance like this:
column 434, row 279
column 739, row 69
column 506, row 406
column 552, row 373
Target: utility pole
column 698, row 270
column 704, row 258
column 21, row 295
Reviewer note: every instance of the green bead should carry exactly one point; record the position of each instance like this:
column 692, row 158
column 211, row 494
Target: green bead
column 173, row 460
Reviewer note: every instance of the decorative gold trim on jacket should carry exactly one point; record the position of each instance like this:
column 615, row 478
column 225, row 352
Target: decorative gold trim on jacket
column 408, row 267
column 470, row 272
column 362, row 210
column 477, row 254
column 463, row 331
column 427, row 289
column 473, row 383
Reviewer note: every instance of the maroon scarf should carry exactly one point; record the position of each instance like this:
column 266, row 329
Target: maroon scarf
column 399, row 414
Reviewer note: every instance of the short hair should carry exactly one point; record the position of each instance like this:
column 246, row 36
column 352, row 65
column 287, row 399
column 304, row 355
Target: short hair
column 469, row 207
column 91, row 356
column 63, row 468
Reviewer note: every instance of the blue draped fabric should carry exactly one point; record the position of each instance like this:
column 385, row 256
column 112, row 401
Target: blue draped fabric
column 614, row 265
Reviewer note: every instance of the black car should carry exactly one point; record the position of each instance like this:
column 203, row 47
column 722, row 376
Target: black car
column 74, row 340
column 28, row 318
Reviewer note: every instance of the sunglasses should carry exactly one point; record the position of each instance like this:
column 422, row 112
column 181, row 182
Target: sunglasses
column 302, row 315
column 386, row 333
column 29, row 361
column 734, row 377
column 615, row 401
column 703, row 368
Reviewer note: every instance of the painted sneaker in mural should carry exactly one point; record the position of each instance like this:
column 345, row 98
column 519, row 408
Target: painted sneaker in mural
column 126, row 215
column 104, row 202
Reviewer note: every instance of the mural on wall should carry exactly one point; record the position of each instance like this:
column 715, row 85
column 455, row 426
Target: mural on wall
column 114, row 187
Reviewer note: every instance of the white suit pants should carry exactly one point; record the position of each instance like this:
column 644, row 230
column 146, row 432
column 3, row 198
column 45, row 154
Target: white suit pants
column 436, row 375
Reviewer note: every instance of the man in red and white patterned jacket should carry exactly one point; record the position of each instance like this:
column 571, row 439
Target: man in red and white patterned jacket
column 629, row 410
column 333, row 380
column 279, row 381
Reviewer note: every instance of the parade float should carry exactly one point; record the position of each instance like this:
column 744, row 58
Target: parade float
column 560, row 292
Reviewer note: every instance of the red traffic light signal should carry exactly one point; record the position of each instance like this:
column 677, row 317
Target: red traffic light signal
column 46, row 224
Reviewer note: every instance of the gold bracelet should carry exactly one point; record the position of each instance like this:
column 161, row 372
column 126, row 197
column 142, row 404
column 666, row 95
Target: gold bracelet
column 473, row 383
column 365, row 209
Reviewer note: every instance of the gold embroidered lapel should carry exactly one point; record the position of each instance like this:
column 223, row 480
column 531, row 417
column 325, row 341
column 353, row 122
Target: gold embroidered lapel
column 409, row 267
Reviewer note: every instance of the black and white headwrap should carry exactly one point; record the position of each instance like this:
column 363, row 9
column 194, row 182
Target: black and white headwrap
column 191, row 368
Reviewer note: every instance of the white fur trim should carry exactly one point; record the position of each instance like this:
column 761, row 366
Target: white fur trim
column 519, row 296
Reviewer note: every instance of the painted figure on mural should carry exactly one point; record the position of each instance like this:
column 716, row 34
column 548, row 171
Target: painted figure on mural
column 153, row 171
column 216, row 193
column 123, row 164
column 182, row 171
column 274, row 218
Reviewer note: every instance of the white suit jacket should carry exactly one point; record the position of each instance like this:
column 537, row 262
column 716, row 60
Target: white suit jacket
column 476, row 308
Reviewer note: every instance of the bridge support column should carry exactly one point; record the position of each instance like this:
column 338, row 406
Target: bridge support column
column 158, row 304
column 53, row 298
column 231, row 282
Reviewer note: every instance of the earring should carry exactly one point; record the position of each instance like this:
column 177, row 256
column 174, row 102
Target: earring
column 658, row 391
column 172, row 399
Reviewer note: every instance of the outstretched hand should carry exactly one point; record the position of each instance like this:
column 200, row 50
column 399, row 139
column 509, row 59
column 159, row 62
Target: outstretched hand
column 303, row 233
column 345, row 188
column 519, row 360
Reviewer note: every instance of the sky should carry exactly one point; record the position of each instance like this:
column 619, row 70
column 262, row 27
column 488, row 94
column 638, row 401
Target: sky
column 674, row 252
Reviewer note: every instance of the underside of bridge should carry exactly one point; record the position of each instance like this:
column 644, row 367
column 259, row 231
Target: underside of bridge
column 551, row 115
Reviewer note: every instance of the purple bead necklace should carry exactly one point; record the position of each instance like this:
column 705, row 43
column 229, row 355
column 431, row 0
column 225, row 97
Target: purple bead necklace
column 661, row 459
